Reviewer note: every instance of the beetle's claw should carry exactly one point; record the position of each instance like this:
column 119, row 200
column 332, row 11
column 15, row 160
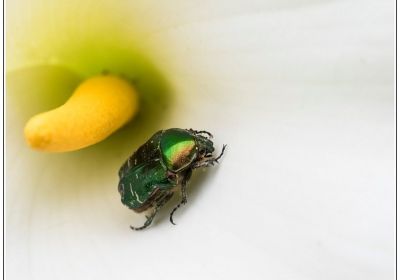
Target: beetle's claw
column 173, row 211
column 172, row 221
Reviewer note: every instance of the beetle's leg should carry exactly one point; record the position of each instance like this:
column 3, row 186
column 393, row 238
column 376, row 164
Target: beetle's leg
column 148, row 220
column 220, row 155
column 183, row 202
column 160, row 203
column 201, row 132
column 184, row 196
column 211, row 161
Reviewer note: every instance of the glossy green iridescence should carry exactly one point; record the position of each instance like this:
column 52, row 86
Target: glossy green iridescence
column 146, row 153
column 140, row 183
column 178, row 149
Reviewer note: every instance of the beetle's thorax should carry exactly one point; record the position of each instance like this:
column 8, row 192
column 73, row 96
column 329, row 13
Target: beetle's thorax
column 178, row 149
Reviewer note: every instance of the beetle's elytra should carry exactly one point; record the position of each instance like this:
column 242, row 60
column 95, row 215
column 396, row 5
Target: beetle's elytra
column 162, row 166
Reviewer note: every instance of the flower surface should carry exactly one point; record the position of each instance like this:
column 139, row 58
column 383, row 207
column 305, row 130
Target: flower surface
column 302, row 93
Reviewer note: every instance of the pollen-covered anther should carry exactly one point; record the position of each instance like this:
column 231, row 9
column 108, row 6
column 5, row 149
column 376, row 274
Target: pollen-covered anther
column 98, row 107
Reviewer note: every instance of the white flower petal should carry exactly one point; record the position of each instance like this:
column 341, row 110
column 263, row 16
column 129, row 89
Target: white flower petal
column 302, row 93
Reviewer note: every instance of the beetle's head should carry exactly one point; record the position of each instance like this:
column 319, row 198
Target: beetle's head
column 205, row 146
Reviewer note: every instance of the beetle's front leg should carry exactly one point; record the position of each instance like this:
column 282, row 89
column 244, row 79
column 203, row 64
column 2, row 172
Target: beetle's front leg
column 211, row 161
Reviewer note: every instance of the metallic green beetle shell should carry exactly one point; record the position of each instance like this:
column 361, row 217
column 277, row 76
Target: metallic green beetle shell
column 158, row 166
column 142, row 182
column 178, row 149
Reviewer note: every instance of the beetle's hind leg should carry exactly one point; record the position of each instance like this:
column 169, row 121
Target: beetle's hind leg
column 149, row 219
column 160, row 203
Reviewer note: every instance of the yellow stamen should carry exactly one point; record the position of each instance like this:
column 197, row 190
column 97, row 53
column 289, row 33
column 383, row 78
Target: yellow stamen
column 98, row 107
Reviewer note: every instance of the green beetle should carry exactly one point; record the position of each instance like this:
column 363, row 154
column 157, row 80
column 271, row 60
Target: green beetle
column 162, row 166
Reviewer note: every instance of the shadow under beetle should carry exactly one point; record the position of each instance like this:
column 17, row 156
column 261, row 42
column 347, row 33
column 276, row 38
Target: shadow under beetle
column 162, row 166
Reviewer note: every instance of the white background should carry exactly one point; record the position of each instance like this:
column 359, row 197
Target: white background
column 302, row 92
